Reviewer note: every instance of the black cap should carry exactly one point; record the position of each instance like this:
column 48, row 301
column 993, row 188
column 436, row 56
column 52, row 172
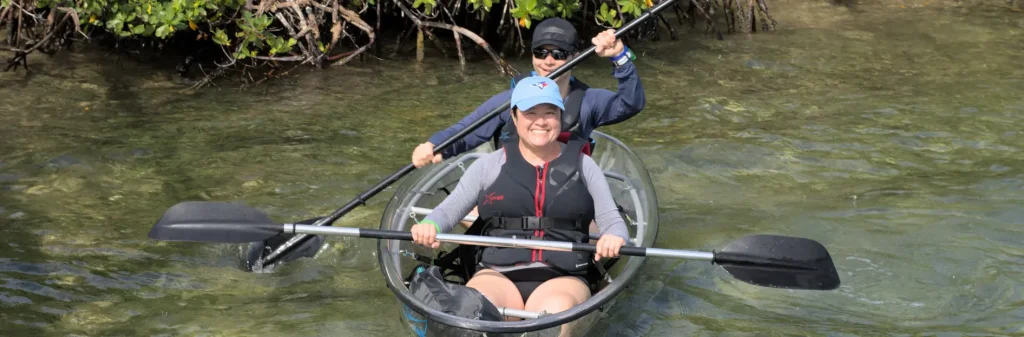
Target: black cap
column 557, row 32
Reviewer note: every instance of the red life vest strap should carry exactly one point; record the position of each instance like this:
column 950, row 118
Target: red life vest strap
column 564, row 138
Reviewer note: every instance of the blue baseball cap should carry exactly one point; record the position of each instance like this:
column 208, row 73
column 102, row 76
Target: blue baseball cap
column 535, row 90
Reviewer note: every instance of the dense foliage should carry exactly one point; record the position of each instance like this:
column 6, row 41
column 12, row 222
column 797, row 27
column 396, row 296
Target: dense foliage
column 310, row 31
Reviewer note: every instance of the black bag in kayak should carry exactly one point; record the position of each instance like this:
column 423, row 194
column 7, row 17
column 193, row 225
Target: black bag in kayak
column 429, row 287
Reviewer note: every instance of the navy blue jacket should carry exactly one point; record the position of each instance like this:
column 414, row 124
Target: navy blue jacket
column 600, row 107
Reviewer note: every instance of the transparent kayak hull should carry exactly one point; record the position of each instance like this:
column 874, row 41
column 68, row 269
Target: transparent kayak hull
column 426, row 187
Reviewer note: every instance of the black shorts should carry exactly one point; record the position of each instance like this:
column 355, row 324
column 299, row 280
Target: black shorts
column 527, row 280
column 526, row 288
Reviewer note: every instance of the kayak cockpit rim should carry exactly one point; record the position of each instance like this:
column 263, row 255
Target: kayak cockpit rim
column 406, row 199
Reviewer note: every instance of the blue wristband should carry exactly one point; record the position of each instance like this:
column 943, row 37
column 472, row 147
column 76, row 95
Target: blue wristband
column 623, row 57
column 625, row 52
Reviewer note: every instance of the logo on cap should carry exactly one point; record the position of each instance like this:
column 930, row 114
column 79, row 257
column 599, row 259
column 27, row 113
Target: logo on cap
column 541, row 85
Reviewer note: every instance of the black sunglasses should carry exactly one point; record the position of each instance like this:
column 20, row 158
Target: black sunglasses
column 558, row 54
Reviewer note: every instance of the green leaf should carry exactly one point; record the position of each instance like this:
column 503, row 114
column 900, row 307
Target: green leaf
column 242, row 53
column 138, row 30
column 220, row 37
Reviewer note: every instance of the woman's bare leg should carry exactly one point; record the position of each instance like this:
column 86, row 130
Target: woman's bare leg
column 558, row 294
column 498, row 289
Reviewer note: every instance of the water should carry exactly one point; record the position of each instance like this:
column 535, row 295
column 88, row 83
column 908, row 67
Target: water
column 891, row 135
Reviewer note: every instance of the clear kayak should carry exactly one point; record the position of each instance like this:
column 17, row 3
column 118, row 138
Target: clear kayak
column 425, row 188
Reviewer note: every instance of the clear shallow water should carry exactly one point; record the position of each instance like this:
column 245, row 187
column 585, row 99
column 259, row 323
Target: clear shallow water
column 889, row 134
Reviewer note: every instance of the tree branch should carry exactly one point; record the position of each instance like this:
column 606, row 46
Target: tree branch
column 504, row 68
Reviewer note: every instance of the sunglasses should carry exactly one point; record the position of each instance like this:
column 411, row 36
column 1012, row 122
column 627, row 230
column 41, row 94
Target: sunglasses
column 558, row 54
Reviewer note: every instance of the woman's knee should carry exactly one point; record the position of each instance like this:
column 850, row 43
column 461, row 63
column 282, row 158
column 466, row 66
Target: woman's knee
column 496, row 288
column 553, row 303
column 558, row 295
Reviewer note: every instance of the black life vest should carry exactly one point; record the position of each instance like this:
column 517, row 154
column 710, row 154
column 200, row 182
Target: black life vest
column 550, row 202
column 506, row 134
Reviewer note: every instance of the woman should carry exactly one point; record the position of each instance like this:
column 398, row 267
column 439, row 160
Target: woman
column 542, row 188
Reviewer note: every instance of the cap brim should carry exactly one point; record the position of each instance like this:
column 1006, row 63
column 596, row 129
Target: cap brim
column 528, row 103
column 560, row 44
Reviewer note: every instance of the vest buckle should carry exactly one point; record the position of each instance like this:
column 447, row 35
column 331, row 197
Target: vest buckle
column 531, row 222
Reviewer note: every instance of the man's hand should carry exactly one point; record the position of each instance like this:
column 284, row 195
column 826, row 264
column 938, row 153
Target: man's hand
column 606, row 45
column 424, row 154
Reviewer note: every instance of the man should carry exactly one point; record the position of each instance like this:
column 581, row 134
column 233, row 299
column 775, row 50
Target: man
column 555, row 41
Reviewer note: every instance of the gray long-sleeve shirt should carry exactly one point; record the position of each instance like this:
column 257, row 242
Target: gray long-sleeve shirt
column 484, row 171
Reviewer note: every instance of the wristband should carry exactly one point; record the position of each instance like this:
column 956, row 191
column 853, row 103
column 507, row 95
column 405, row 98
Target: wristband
column 622, row 58
column 623, row 53
column 433, row 223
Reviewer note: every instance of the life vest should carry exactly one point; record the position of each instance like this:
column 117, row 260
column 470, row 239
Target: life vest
column 550, row 202
column 506, row 134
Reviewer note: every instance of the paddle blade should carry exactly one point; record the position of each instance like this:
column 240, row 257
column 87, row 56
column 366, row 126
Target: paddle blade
column 779, row 261
column 201, row 221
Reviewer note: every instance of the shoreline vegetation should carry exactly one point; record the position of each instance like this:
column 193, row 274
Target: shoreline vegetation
column 256, row 40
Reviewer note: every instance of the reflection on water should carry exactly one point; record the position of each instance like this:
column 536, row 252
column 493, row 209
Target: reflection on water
column 893, row 141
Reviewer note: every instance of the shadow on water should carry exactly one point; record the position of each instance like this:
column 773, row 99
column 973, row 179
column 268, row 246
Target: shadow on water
column 20, row 256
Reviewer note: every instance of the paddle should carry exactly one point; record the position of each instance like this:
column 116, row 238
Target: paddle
column 295, row 241
column 763, row 260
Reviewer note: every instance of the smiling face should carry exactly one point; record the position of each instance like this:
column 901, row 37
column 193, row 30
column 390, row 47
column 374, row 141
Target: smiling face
column 538, row 126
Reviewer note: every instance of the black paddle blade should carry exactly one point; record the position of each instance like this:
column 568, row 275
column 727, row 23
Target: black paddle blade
column 779, row 261
column 254, row 259
column 201, row 221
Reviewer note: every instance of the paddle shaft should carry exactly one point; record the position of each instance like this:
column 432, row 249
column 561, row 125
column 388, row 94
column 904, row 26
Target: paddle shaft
column 361, row 199
column 479, row 240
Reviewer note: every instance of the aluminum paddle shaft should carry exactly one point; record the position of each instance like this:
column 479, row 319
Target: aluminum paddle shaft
column 478, row 240
column 764, row 260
